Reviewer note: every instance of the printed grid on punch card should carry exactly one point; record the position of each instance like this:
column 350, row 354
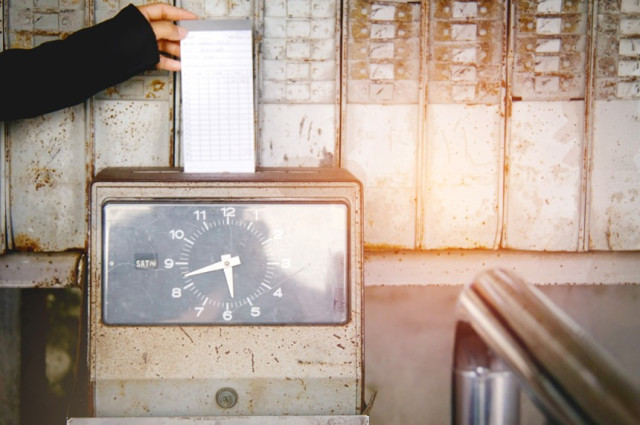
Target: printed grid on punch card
column 217, row 101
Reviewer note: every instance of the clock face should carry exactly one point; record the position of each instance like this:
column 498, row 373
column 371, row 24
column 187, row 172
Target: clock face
column 225, row 263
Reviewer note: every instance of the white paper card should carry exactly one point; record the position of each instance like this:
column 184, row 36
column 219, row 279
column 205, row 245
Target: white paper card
column 218, row 132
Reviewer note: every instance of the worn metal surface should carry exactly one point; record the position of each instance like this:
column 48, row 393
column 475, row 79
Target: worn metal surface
column 382, row 115
column 31, row 23
column 132, row 132
column 407, row 95
column 42, row 270
column 615, row 200
column 174, row 371
column 463, row 149
column 457, row 267
column 463, row 177
column 47, row 155
column 48, row 180
column 466, row 52
column 382, row 153
column 544, row 180
column 615, row 151
column 253, row 420
column 4, row 192
column 132, row 122
column 550, row 50
column 299, row 83
column 544, row 199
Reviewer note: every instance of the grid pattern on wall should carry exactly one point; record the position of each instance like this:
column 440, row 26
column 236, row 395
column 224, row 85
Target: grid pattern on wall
column 475, row 124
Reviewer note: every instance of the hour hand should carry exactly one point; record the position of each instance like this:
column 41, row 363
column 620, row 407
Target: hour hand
column 228, row 272
column 226, row 262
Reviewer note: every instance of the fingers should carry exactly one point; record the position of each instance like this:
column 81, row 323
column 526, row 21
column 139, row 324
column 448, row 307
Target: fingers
column 160, row 16
column 165, row 12
column 172, row 48
column 165, row 30
column 169, row 54
column 168, row 64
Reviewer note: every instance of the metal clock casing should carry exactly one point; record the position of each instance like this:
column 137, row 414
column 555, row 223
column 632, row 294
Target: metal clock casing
column 150, row 354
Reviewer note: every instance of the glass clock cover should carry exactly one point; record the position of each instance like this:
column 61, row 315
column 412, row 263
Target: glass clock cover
column 225, row 263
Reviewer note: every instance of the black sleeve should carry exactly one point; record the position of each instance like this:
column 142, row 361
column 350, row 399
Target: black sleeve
column 66, row 72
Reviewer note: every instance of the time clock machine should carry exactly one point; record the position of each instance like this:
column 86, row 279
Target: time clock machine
column 225, row 294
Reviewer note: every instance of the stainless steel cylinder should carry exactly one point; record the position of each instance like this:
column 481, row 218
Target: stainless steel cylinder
column 485, row 397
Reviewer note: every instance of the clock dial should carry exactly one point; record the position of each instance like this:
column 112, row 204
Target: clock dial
column 225, row 263
column 228, row 265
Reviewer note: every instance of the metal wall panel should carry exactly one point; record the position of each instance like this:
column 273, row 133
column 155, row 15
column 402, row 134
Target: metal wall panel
column 299, row 83
column 132, row 121
column 132, row 133
column 544, row 182
column 462, row 193
column 463, row 189
column 615, row 154
column 48, row 181
column 382, row 124
column 47, row 155
column 410, row 96
column 545, row 143
column 381, row 151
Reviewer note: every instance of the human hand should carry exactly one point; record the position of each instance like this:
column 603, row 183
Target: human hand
column 168, row 34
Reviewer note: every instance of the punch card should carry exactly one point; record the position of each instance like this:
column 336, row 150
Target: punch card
column 217, row 96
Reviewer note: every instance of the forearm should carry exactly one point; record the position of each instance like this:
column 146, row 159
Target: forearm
column 66, row 72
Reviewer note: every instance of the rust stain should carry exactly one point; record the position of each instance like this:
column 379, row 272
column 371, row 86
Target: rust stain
column 358, row 70
column 112, row 91
column 22, row 40
column 327, row 159
column 383, row 247
column 44, row 177
column 157, row 86
column 360, row 9
column 26, row 243
column 360, row 30
column 404, row 13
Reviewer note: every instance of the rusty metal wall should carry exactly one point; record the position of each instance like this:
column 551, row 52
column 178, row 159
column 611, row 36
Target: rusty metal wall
column 476, row 124
column 132, row 123
column 382, row 114
column 615, row 146
column 546, row 141
column 299, row 83
column 462, row 193
column 47, row 158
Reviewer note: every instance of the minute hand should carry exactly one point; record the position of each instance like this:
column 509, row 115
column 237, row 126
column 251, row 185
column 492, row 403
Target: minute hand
column 233, row 261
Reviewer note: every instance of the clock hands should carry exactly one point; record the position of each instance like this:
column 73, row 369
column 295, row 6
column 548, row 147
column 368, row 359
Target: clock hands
column 225, row 264
column 228, row 272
